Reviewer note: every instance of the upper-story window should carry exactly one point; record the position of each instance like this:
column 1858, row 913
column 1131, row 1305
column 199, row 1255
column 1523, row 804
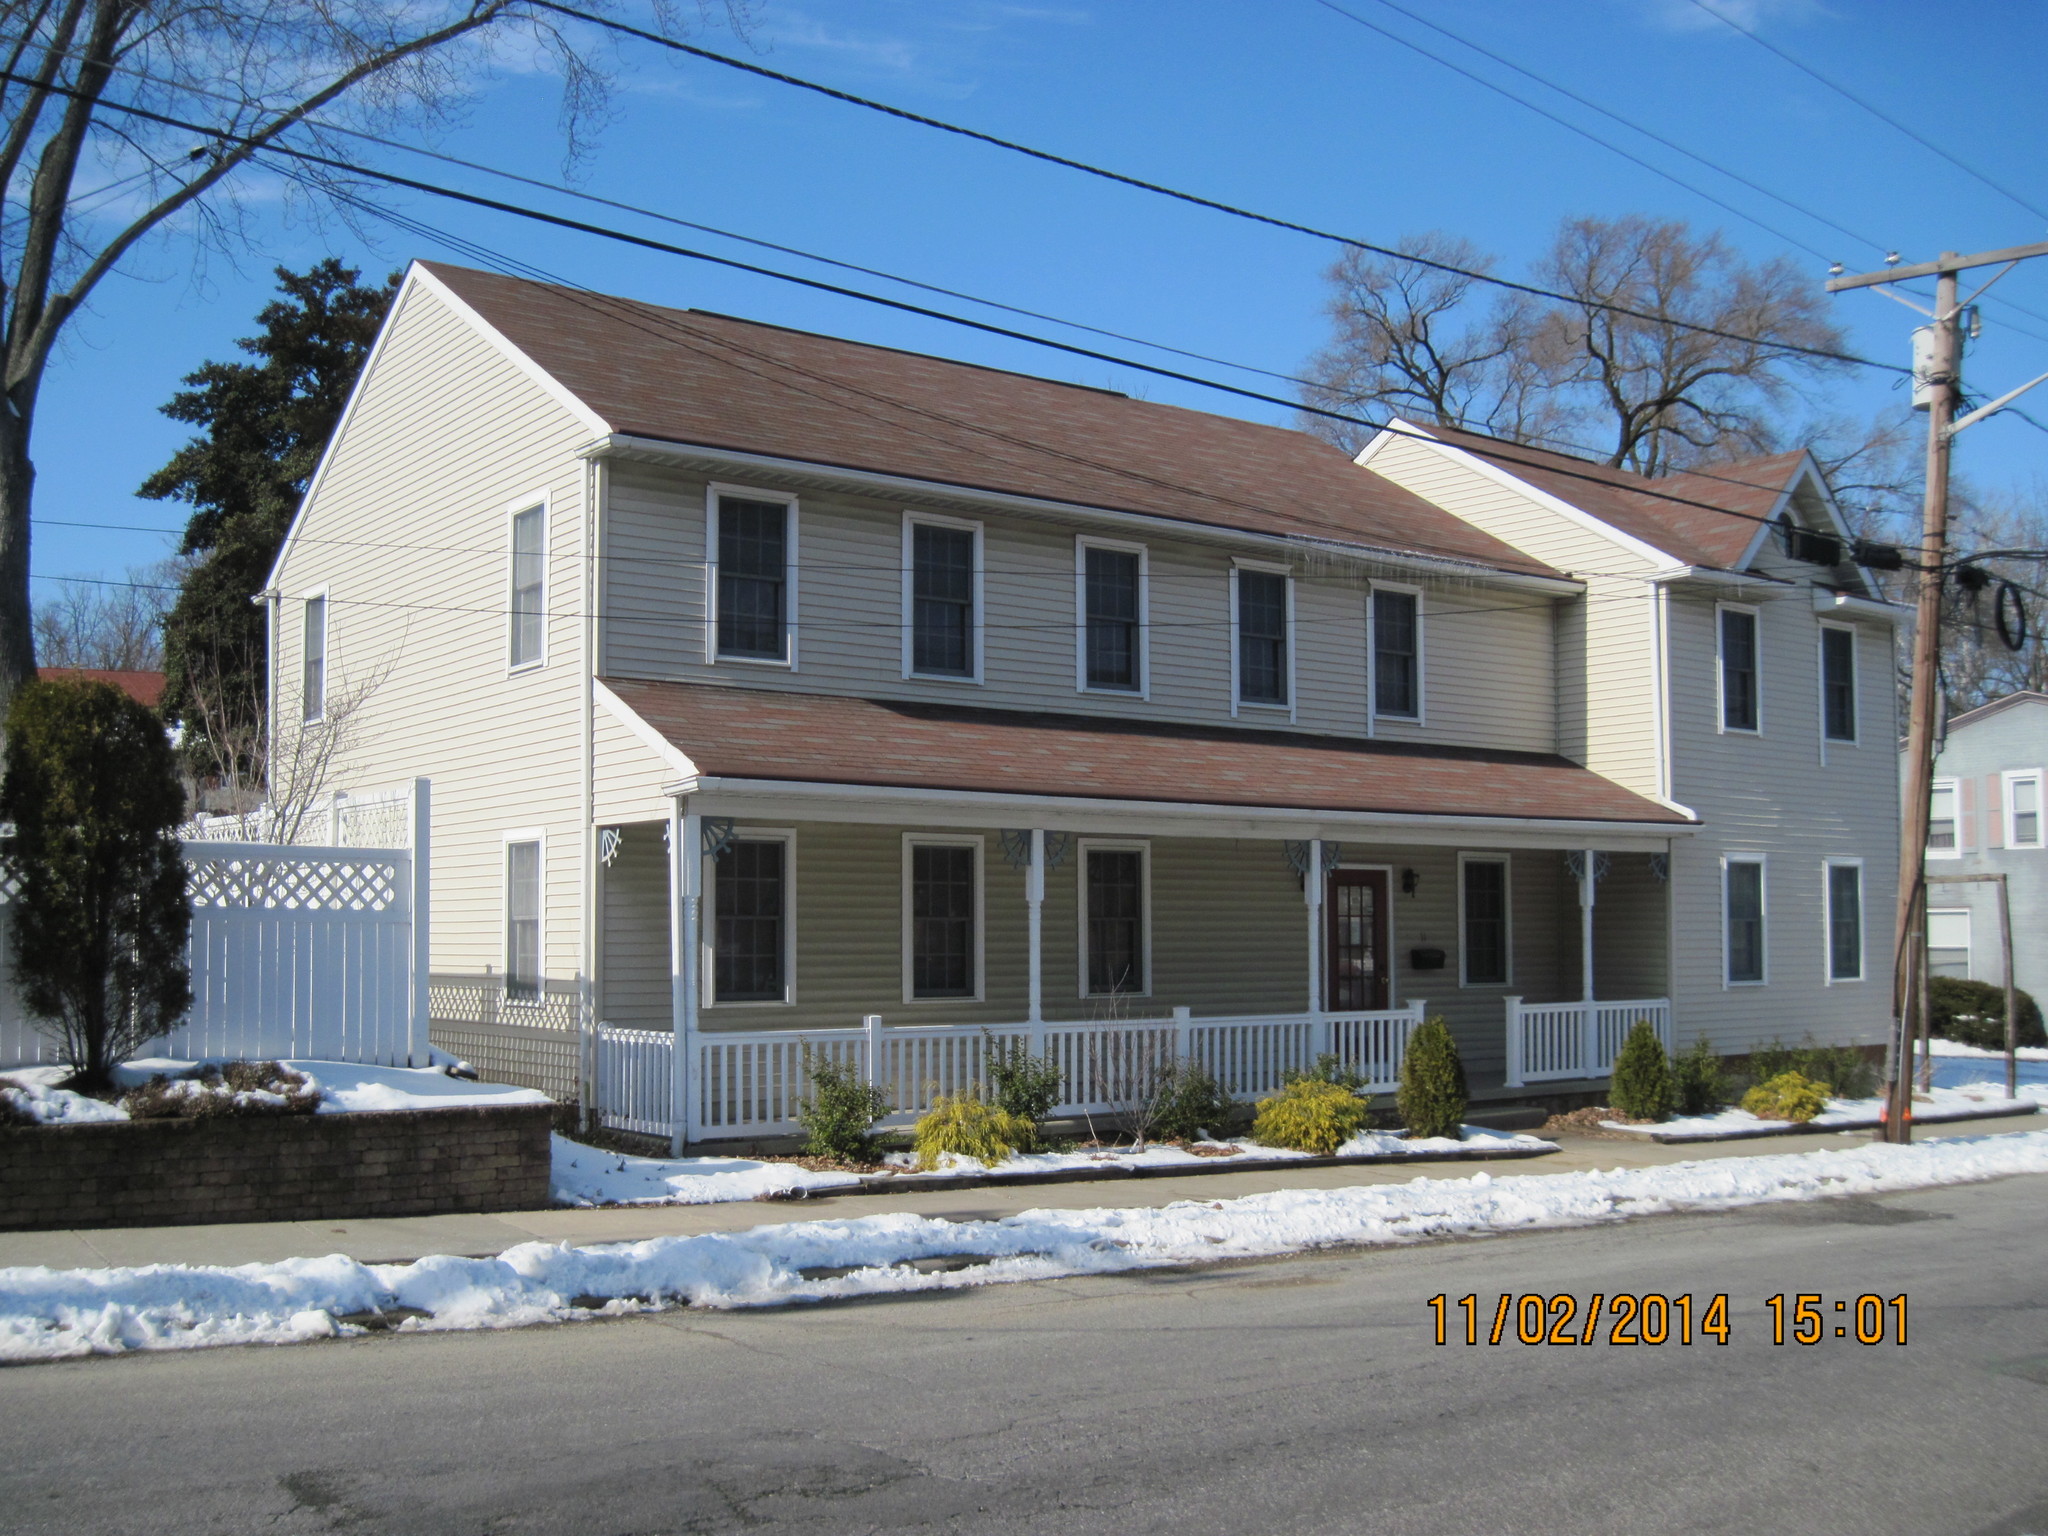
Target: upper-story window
column 313, row 659
column 1739, row 704
column 1838, row 683
column 1396, row 653
column 752, row 542
column 529, row 587
column 2023, row 809
column 1263, row 600
column 943, row 563
column 1942, row 842
column 1112, row 599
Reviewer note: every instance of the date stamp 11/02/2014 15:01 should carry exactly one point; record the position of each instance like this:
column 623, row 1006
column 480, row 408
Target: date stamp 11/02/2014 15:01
column 1652, row 1317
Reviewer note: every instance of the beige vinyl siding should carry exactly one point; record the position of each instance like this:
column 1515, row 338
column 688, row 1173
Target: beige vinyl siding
column 1488, row 656
column 408, row 529
column 633, row 931
column 627, row 774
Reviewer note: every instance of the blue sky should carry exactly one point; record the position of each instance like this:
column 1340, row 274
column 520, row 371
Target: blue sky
column 1281, row 105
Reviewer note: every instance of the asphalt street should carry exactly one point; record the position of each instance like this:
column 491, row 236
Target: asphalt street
column 1304, row 1395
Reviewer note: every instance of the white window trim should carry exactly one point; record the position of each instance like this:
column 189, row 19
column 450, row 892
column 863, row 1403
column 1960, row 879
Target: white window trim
column 1969, row 917
column 1372, row 669
column 1827, row 923
column 791, row 565
column 707, row 926
column 1508, row 893
column 2011, row 816
column 1082, row 544
column 326, row 653
column 1955, row 791
column 1762, row 861
column 547, row 522
column 1083, row 846
column 539, row 836
column 912, row 840
column 1721, row 725
column 1237, row 702
column 1856, row 687
column 977, row 624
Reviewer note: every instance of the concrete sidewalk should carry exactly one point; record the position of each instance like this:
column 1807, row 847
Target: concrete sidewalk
column 403, row 1238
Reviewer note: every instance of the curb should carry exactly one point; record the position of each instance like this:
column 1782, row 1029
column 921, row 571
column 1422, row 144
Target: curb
column 1687, row 1138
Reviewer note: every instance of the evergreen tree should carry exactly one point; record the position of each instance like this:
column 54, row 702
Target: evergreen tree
column 1432, row 1095
column 264, row 424
column 1643, row 1088
column 99, row 916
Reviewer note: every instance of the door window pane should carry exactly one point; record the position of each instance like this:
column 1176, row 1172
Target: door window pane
column 1738, row 670
column 1838, row 683
column 942, row 600
column 1116, row 920
column 941, row 921
column 1745, row 922
column 527, row 580
column 1396, row 682
column 753, row 575
column 313, row 681
column 749, row 906
column 1261, row 637
column 1355, row 962
column 1486, row 922
column 1845, row 922
column 1110, row 586
column 522, row 919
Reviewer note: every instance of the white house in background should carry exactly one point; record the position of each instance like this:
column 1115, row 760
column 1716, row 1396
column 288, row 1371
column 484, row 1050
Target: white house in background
column 770, row 682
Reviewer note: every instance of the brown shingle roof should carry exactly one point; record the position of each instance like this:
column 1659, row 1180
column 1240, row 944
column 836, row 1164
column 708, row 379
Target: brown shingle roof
column 819, row 738
column 143, row 687
column 1699, row 535
column 686, row 376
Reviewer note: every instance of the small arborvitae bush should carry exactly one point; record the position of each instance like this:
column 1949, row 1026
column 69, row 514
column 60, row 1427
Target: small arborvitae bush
column 840, row 1109
column 1329, row 1068
column 1432, row 1096
column 1788, row 1096
column 1642, row 1087
column 234, row 1089
column 1699, row 1083
column 962, row 1124
column 1025, row 1085
column 1191, row 1103
column 1973, row 1012
column 1309, row 1115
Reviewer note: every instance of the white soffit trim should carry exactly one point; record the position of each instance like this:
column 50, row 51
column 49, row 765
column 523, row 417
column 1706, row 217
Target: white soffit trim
column 1494, row 472
column 671, row 755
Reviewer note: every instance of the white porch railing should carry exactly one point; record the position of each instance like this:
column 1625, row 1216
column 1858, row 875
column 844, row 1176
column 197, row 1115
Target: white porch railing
column 1548, row 1041
column 752, row 1083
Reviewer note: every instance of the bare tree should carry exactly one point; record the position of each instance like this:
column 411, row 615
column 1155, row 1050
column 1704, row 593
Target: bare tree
column 81, row 79
column 112, row 627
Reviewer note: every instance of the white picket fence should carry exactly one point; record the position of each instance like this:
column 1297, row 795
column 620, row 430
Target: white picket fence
column 1551, row 1041
column 752, row 1083
column 299, row 950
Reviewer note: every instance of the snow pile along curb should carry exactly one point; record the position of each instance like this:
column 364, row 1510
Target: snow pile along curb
column 50, row 1314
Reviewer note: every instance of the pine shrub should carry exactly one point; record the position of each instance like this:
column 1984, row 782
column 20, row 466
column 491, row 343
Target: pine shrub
column 1973, row 1012
column 1024, row 1085
column 1190, row 1102
column 1309, row 1115
column 1432, row 1095
column 840, row 1109
column 1699, row 1083
column 1788, row 1096
column 962, row 1124
column 1329, row 1068
column 1642, row 1087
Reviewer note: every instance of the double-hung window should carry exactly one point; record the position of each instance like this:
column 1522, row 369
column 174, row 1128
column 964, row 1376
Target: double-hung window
column 1845, row 920
column 529, row 585
column 1113, row 922
column 1739, row 704
column 752, row 548
column 1948, row 941
column 1838, row 683
column 1262, row 638
column 1396, row 654
column 1112, row 618
column 313, row 660
column 1942, row 824
column 1483, row 915
column 943, row 919
column 1743, row 919
column 2023, row 809
column 944, row 573
column 750, row 922
column 522, row 917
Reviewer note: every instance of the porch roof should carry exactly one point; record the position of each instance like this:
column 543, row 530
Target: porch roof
column 763, row 735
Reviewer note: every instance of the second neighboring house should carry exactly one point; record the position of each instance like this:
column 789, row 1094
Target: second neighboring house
column 768, row 681
column 1987, row 819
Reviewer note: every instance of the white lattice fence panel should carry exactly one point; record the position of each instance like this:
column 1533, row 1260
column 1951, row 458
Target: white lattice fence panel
column 337, row 882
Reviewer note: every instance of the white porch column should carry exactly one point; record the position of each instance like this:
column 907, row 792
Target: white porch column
column 1312, row 889
column 1588, row 1041
column 685, row 873
column 1034, row 899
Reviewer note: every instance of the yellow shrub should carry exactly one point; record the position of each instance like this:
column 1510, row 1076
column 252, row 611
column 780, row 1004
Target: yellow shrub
column 1788, row 1096
column 1309, row 1115
column 962, row 1124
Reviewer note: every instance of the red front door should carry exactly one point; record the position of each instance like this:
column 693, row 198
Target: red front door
column 1355, row 945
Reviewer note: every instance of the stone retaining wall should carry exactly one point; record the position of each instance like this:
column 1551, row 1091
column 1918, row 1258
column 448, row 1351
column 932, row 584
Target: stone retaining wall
column 145, row 1173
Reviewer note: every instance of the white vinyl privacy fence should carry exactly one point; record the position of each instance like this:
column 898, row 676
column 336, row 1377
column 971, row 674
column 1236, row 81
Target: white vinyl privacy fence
column 306, row 949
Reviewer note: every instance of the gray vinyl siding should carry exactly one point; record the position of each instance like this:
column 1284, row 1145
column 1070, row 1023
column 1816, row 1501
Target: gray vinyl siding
column 1488, row 653
column 1978, row 753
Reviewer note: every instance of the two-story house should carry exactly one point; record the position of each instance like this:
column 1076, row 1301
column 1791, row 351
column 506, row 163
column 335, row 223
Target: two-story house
column 771, row 682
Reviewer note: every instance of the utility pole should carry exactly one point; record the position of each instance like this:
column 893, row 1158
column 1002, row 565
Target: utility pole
column 1937, row 373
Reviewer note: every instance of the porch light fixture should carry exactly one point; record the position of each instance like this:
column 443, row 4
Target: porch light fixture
column 1411, row 882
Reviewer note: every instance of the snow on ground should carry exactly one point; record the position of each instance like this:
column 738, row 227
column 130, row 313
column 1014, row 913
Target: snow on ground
column 32, row 1090
column 584, row 1175
column 344, row 1087
column 1957, row 1048
column 48, row 1314
column 1956, row 1102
